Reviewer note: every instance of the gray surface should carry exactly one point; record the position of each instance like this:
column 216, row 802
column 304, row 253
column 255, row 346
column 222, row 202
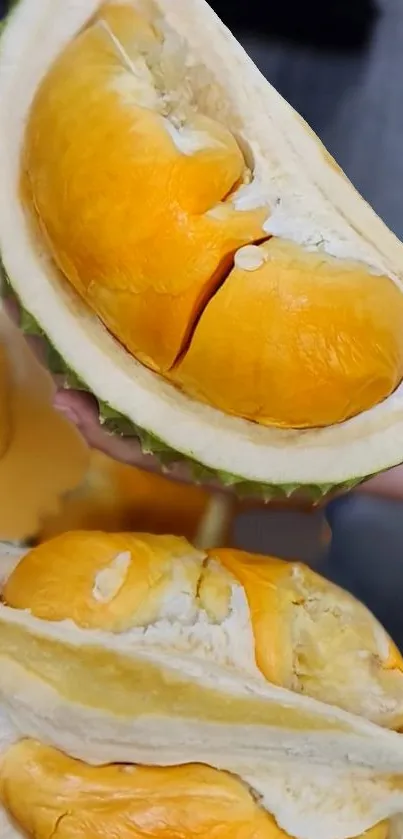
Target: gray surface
column 284, row 534
column 366, row 556
column 355, row 104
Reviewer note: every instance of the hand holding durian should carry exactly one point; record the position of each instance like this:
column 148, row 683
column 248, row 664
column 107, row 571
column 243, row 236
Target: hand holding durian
column 151, row 689
column 192, row 253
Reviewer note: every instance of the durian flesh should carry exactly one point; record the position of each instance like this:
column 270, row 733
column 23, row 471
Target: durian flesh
column 310, row 337
column 142, row 651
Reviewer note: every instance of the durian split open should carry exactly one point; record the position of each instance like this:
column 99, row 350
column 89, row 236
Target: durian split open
column 151, row 689
column 193, row 254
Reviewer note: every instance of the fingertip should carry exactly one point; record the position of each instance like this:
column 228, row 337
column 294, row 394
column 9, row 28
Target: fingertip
column 81, row 407
column 12, row 309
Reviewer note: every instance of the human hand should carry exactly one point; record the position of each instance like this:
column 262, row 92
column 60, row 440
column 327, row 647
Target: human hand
column 81, row 409
column 387, row 484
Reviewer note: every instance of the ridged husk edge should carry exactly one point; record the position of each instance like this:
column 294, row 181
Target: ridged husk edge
column 116, row 423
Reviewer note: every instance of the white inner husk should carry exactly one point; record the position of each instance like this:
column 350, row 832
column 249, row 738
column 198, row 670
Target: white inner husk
column 311, row 201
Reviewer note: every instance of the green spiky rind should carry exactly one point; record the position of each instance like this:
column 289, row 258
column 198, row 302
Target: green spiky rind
column 116, row 423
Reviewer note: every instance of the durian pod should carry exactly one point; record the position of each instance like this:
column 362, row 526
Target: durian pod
column 41, row 455
column 141, row 801
column 114, row 496
column 192, row 252
column 139, row 649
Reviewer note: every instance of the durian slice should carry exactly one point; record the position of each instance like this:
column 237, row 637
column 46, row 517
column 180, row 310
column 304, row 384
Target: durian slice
column 50, row 793
column 141, row 649
column 309, row 202
column 308, row 635
column 41, row 788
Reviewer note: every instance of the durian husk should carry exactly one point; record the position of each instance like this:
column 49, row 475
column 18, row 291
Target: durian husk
column 311, row 204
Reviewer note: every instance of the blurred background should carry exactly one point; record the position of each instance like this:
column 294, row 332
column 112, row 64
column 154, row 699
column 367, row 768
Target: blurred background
column 339, row 63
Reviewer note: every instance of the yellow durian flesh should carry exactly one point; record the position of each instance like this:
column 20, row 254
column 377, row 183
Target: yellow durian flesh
column 152, row 234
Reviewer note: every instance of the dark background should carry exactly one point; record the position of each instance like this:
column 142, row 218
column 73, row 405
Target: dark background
column 332, row 24
column 340, row 24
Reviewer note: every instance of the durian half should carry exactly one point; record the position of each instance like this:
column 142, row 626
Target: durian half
column 192, row 253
